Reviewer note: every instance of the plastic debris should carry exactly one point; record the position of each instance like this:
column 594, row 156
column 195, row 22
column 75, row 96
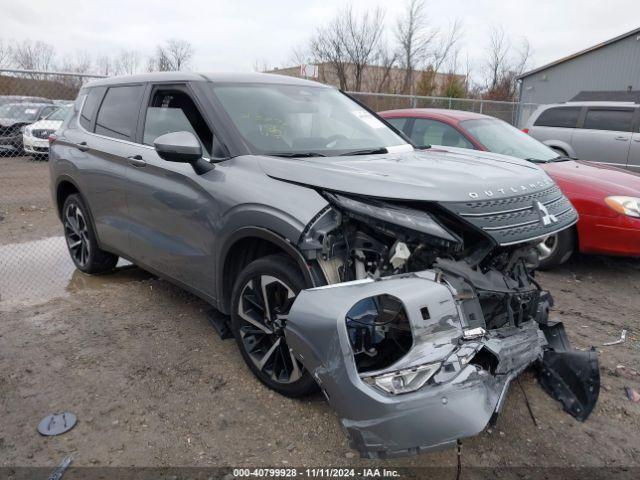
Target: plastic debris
column 57, row 423
column 632, row 394
column 61, row 468
column 623, row 337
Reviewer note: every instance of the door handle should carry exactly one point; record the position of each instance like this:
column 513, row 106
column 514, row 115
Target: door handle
column 622, row 139
column 137, row 161
column 82, row 146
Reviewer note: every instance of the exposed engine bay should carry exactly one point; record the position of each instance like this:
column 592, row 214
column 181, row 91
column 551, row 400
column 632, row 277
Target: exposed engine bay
column 426, row 301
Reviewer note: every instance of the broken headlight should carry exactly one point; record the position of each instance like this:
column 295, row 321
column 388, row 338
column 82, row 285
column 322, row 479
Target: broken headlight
column 379, row 332
column 405, row 217
column 403, row 381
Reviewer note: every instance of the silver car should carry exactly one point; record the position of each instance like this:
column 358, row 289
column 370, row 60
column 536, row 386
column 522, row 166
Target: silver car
column 603, row 132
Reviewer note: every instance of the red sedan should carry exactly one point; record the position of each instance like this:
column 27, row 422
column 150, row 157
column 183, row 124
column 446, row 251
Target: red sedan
column 607, row 198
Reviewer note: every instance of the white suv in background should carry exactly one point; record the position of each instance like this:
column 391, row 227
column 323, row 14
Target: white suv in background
column 35, row 138
column 603, row 132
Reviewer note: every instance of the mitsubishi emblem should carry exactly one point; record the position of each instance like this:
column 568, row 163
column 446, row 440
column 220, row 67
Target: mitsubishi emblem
column 545, row 217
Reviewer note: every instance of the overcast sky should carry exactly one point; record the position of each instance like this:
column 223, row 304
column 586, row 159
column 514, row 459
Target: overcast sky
column 231, row 35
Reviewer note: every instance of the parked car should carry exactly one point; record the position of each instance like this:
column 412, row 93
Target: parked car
column 4, row 99
column 14, row 117
column 35, row 139
column 345, row 258
column 603, row 132
column 607, row 198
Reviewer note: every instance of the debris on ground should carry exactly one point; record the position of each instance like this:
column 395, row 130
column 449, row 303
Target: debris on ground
column 632, row 394
column 623, row 337
column 61, row 468
column 57, row 424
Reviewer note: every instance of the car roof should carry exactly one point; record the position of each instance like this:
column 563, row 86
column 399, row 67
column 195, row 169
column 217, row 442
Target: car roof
column 205, row 77
column 591, row 103
column 442, row 113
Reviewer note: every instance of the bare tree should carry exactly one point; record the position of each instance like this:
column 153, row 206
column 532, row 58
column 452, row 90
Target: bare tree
column 30, row 55
column 105, row 65
column 261, row 66
column 503, row 64
column 423, row 46
column 80, row 62
column 414, row 36
column 174, row 55
column 349, row 43
column 386, row 60
column 127, row 62
column 6, row 54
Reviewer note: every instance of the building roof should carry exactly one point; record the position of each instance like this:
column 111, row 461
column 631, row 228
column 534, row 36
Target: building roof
column 204, row 77
column 580, row 53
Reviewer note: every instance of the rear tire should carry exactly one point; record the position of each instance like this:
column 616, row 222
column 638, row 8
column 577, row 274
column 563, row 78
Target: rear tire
column 556, row 249
column 262, row 296
column 81, row 239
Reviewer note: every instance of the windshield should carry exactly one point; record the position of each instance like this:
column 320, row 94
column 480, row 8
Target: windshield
column 500, row 137
column 20, row 112
column 292, row 120
column 59, row 114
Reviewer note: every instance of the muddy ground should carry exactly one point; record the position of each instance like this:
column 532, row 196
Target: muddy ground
column 152, row 384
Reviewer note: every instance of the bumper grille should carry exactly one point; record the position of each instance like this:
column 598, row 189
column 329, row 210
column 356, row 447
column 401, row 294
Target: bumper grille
column 43, row 134
column 518, row 219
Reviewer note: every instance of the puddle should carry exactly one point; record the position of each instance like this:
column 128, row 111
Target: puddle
column 38, row 271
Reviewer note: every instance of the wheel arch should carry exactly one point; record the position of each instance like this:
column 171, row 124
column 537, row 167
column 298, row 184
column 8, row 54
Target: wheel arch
column 65, row 186
column 246, row 245
column 560, row 145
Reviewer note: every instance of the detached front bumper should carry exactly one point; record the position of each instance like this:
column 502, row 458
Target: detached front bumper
column 458, row 401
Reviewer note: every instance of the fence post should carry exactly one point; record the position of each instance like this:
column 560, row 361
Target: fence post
column 449, row 103
column 414, row 101
column 481, row 105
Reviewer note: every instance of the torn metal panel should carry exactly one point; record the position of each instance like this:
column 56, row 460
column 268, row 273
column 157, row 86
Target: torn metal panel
column 464, row 390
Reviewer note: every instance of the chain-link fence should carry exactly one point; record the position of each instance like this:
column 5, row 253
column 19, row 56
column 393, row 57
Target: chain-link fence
column 33, row 257
column 514, row 113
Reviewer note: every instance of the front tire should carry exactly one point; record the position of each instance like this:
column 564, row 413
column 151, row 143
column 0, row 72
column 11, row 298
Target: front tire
column 262, row 296
column 556, row 249
column 81, row 238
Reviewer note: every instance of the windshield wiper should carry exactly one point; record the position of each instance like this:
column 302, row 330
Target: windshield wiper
column 537, row 160
column 561, row 158
column 296, row 154
column 367, row 151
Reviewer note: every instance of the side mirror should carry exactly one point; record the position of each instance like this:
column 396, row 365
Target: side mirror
column 181, row 147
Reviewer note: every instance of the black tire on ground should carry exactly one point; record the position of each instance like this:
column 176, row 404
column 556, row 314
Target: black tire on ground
column 81, row 238
column 282, row 281
column 562, row 245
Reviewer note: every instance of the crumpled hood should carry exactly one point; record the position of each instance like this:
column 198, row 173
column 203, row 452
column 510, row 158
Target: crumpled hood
column 429, row 175
column 8, row 122
column 599, row 180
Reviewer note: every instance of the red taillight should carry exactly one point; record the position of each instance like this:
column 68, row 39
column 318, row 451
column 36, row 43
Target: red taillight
column 525, row 130
column 52, row 138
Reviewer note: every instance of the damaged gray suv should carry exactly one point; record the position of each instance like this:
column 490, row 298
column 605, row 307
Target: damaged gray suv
column 399, row 281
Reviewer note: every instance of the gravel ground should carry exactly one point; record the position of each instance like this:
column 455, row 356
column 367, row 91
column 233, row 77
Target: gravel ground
column 152, row 385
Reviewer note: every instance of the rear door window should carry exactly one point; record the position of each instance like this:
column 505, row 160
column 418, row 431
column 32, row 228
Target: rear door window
column 90, row 107
column 432, row 132
column 399, row 123
column 617, row 120
column 119, row 112
column 566, row 117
